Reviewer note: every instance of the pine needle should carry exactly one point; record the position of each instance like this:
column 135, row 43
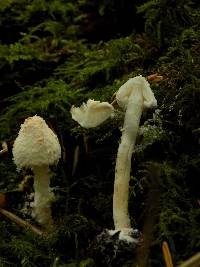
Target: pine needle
column 194, row 261
column 20, row 221
column 167, row 255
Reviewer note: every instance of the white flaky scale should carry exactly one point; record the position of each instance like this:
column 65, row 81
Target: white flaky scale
column 37, row 147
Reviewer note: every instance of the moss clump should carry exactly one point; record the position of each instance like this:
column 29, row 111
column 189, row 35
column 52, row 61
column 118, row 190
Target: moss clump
column 54, row 55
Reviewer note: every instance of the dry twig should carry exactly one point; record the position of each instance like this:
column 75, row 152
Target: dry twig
column 167, row 255
column 194, row 261
column 20, row 221
column 2, row 200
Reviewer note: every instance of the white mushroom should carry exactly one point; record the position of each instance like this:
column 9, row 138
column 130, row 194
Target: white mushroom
column 133, row 97
column 36, row 147
column 92, row 113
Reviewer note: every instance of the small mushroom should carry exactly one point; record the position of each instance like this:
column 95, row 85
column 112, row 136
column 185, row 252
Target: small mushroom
column 37, row 147
column 133, row 97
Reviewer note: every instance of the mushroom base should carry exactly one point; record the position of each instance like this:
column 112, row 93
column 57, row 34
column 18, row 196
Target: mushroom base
column 114, row 247
column 127, row 235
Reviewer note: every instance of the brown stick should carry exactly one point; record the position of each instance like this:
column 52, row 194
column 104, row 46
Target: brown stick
column 194, row 261
column 2, row 200
column 20, row 221
column 76, row 159
column 151, row 214
column 166, row 254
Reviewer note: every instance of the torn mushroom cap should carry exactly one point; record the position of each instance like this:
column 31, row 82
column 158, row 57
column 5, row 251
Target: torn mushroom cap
column 36, row 144
column 126, row 90
column 92, row 113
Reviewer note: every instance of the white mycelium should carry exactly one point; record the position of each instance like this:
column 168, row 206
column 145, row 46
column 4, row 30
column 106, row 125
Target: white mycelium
column 37, row 147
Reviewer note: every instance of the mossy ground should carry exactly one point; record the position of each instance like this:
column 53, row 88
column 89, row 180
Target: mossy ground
column 54, row 55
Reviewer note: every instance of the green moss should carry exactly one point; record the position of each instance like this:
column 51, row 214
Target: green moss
column 48, row 63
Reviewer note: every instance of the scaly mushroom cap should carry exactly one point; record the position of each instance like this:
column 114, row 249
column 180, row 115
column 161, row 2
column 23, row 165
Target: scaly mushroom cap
column 127, row 88
column 92, row 113
column 36, row 144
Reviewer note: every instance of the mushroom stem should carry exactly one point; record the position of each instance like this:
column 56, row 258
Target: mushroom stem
column 123, row 162
column 43, row 196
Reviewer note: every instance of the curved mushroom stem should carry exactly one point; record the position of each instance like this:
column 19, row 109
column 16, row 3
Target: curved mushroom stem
column 43, row 196
column 123, row 163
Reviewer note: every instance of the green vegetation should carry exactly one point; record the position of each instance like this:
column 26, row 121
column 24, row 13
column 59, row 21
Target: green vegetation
column 54, row 55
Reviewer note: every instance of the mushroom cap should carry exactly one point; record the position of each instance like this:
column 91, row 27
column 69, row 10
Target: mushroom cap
column 36, row 144
column 131, row 85
column 92, row 113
